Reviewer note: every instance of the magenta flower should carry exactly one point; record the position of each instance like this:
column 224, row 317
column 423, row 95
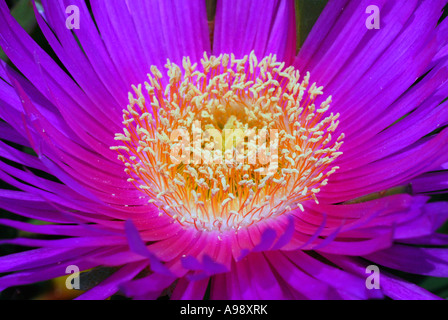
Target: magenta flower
column 358, row 118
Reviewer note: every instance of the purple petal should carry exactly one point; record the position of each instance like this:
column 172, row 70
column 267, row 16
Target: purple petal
column 263, row 26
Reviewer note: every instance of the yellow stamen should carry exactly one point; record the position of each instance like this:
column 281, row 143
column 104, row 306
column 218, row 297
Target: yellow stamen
column 224, row 178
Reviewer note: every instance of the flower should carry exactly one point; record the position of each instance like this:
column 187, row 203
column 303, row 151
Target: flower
column 358, row 117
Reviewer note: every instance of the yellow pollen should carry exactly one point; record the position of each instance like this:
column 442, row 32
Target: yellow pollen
column 230, row 144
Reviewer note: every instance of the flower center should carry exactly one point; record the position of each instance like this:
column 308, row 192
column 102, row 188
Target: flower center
column 233, row 143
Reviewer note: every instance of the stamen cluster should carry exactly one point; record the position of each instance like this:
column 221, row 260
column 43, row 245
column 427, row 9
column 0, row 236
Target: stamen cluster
column 244, row 97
